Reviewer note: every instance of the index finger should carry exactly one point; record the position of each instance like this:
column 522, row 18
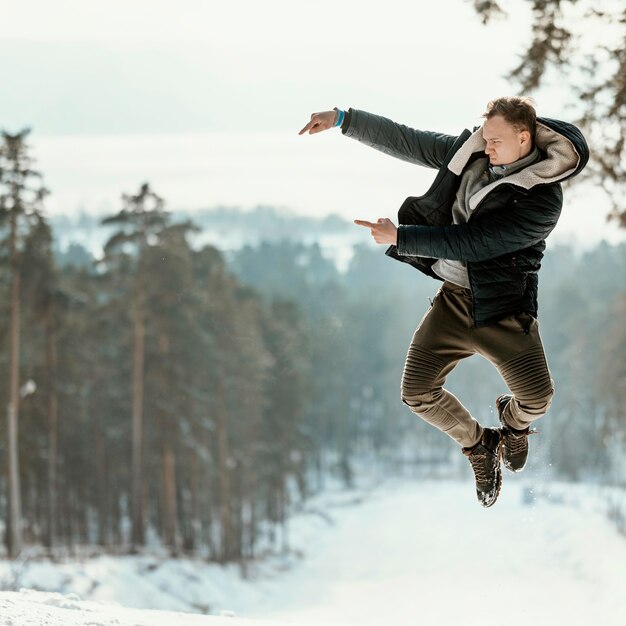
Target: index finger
column 364, row 223
column 307, row 127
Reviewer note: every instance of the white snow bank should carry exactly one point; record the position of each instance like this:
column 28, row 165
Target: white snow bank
column 38, row 608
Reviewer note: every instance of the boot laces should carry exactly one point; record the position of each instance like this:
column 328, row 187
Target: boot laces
column 517, row 443
column 477, row 460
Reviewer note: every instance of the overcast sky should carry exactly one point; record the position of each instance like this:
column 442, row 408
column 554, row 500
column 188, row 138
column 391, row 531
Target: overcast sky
column 164, row 66
column 205, row 98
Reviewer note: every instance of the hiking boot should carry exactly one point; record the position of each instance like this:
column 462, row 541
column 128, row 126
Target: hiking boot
column 484, row 458
column 514, row 442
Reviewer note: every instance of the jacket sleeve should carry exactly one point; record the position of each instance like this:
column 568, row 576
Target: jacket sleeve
column 526, row 221
column 425, row 148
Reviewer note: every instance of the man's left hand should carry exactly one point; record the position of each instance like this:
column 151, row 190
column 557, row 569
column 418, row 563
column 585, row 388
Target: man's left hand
column 383, row 231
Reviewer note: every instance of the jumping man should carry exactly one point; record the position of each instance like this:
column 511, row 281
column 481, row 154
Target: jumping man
column 481, row 230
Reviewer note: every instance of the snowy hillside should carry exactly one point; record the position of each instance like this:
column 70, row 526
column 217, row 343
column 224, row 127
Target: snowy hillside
column 403, row 553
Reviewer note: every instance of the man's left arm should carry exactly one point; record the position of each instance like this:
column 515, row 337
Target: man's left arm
column 527, row 221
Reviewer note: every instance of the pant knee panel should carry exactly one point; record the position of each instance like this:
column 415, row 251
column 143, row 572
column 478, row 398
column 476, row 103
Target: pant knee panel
column 528, row 377
column 421, row 369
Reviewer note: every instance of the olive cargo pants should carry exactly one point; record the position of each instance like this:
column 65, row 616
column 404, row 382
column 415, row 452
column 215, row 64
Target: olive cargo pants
column 445, row 336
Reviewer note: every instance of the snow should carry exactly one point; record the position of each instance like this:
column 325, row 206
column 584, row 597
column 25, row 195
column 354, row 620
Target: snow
column 30, row 608
column 402, row 552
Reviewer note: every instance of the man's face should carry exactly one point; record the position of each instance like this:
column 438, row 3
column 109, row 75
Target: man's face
column 505, row 145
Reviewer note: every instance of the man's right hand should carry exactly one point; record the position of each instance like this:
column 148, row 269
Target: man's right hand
column 320, row 122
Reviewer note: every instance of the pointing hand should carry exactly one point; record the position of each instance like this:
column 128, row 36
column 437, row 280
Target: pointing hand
column 319, row 122
column 383, row 231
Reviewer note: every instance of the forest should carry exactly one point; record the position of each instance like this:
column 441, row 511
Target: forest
column 161, row 393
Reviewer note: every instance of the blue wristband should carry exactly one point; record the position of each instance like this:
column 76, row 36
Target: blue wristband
column 340, row 117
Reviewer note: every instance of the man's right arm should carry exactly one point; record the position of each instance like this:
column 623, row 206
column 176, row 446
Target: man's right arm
column 422, row 147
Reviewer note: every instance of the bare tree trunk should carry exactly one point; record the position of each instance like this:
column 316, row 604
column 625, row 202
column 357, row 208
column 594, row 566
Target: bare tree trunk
column 169, row 498
column 137, row 460
column 191, row 509
column 249, row 490
column 14, row 535
column 208, row 499
column 53, row 419
column 223, row 473
column 103, row 509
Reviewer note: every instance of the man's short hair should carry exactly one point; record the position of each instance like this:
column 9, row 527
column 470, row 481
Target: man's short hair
column 519, row 111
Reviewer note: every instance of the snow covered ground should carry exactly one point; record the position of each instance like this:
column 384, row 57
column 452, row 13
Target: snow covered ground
column 404, row 552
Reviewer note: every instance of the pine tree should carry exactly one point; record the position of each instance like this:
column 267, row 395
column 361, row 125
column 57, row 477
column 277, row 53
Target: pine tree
column 589, row 57
column 141, row 220
column 41, row 294
column 21, row 198
column 168, row 269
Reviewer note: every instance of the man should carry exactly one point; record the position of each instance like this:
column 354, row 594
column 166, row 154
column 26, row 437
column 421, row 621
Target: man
column 481, row 229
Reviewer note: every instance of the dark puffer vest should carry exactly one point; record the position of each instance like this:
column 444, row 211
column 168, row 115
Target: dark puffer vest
column 503, row 240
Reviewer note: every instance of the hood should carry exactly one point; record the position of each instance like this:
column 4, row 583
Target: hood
column 563, row 144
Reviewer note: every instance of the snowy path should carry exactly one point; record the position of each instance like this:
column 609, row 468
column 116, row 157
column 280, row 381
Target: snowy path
column 428, row 554
column 408, row 553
